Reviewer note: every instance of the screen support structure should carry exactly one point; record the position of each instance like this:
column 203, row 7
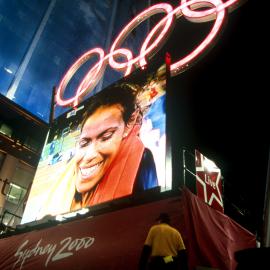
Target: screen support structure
column 53, row 103
column 169, row 165
column 266, row 214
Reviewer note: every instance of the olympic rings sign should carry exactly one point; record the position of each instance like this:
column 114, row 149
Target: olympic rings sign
column 191, row 10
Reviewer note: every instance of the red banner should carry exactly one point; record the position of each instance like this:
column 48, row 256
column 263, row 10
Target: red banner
column 212, row 237
column 109, row 241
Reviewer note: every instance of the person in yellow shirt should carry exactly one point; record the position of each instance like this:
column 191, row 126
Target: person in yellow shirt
column 164, row 248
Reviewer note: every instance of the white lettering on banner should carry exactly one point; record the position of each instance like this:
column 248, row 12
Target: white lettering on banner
column 67, row 247
column 210, row 182
column 193, row 10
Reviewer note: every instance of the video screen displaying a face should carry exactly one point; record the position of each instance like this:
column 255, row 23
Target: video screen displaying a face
column 111, row 146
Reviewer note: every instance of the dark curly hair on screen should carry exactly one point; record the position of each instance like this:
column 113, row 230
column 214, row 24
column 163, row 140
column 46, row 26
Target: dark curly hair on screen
column 123, row 94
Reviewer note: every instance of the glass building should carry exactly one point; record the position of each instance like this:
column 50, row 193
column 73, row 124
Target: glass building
column 40, row 40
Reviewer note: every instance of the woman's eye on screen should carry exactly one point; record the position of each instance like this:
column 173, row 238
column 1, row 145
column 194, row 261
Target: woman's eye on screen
column 83, row 143
column 107, row 136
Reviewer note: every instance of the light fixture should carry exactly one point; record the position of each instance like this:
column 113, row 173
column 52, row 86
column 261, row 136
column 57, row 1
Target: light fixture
column 8, row 70
column 73, row 214
column 209, row 165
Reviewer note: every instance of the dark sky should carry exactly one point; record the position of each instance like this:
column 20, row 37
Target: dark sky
column 228, row 113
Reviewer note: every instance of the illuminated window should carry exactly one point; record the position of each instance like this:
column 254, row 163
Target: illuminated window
column 6, row 130
column 9, row 219
column 15, row 194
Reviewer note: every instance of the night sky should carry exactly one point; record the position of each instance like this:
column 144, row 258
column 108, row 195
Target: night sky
column 228, row 113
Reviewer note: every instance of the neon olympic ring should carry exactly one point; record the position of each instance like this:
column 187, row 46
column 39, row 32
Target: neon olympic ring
column 215, row 11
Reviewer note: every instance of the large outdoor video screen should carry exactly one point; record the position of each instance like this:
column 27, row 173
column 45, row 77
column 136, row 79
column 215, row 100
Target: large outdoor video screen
column 111, row 146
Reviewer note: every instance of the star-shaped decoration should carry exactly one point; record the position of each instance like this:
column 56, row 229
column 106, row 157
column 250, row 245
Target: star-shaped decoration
column 208, row 184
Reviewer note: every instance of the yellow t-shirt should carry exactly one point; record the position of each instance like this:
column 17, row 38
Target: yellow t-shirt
column 164, row 240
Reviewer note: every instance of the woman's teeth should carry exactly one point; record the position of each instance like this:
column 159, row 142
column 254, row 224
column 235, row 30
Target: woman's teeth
column 86, row 172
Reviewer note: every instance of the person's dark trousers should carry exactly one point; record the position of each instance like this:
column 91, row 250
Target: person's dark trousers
column 157, row 263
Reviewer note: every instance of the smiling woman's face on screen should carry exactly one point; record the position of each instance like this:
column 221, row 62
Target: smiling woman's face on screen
column 99, row 143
